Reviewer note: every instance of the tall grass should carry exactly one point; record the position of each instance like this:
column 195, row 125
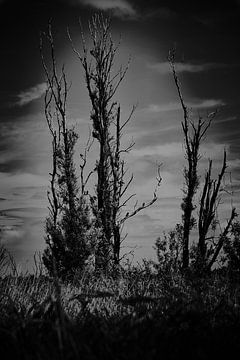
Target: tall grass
column 137, row 314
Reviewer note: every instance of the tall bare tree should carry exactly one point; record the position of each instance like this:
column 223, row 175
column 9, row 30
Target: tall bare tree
column 68, row 221
column 193, row 136
column 102, row 83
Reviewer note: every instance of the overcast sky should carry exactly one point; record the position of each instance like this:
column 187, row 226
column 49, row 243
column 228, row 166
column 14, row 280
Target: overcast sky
column 206, row 38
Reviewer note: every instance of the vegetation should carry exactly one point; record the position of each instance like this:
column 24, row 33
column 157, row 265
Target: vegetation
column 199, row 255
column 82, row 224
column 141, row 313
column 178, row 306
column 68, row 224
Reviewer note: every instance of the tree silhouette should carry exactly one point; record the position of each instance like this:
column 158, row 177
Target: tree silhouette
column 102, row 84
column 206, row 254
column 75, row 227
column 68, row 224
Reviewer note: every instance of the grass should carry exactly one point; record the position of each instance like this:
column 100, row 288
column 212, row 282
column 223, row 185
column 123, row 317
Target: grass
column 138, row 314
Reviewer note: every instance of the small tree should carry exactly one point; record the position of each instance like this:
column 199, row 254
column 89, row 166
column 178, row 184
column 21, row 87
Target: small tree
column 169, row 250
column 68, row 224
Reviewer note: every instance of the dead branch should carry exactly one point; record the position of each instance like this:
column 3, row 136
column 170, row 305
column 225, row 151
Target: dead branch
column 84, row 180
column 222, row 239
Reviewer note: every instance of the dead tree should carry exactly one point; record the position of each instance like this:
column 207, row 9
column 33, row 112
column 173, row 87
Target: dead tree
column 193, row 135
column 102, row 84
column 120, row 186
column 101, row 89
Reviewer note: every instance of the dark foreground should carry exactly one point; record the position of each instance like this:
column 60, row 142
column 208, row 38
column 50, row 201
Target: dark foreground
column 138, row 315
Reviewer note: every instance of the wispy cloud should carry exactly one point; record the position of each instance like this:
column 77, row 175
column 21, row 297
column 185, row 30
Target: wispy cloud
column 165, row 68
column 120, row 8
column 176, row 149
column 172, row 149
column 173, row 106
column 31, row 94
column 11, row 236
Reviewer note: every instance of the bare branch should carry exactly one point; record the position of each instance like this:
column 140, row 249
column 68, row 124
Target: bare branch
column 129, row 117
column 140, row 208
column 87, row 148
column 222, row 238
column 126, row 201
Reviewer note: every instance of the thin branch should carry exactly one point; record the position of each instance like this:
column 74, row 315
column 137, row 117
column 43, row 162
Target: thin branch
column 222, row 238
column 140, row 208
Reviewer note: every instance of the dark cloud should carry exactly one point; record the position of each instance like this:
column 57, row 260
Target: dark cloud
column 18, row 151
column 9, row 221
column 19, row 211
column 14, row 166
column 32, row 192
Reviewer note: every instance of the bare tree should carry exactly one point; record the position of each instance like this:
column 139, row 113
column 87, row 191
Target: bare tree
column 68, row 221
column 102, row 84
column 120, row 186
column 193, row 136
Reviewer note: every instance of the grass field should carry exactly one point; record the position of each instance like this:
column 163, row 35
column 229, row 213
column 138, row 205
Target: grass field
column 136, row 314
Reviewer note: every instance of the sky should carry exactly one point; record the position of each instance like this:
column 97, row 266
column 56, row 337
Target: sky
column 206, row 38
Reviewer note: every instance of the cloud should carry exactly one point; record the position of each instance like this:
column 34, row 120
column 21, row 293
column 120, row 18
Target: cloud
column 31, row 94
column 121, row 8
column 173, row 149
column 24, row 144
column 10, row 182
column 165, row 68
column 173, row 106
column 10, row 235
column 234, row 164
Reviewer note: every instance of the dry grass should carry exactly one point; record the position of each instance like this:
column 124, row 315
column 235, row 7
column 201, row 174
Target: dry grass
column 136, row 315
